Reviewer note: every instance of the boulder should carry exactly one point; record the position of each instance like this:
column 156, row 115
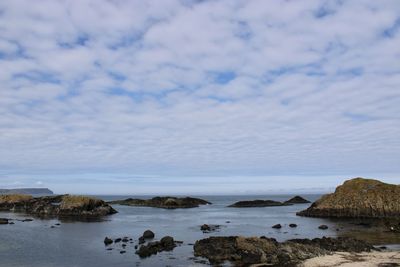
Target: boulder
column 277, row 226
column 245, row 251
column 358, row 198
column 166, row 243
column 3, row 221
column 62, row 206
column 257, row 203
column 108, row 241
column 297, row 200
column 163, row 202
column 148, row 234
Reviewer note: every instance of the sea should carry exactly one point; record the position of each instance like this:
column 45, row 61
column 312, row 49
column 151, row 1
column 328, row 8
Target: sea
column 44, row 243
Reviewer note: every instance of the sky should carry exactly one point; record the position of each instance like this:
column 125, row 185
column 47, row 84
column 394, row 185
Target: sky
column 200, row 97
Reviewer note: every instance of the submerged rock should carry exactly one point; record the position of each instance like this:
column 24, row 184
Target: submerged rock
column 163, row 202
column 257, row 203
column 207, row 228
column 166, row 243
column 297, row 200
column 277, row 226
column 244, row 251
column 63, row 205
column 358, row 198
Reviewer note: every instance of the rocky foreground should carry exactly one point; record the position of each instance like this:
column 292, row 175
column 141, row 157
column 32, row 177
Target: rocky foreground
column 163, row 202
column 61, row 205
column 245, row 251
column 358, row 198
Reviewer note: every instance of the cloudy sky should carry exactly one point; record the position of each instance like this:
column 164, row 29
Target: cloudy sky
column 198, row 96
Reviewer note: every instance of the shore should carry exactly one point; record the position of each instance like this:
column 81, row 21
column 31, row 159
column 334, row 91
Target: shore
column 364, row 259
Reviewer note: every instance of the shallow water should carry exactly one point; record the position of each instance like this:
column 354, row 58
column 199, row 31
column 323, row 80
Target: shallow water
column 35, row 244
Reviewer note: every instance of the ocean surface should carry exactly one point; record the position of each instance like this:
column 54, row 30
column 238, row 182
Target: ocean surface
column 80, row 244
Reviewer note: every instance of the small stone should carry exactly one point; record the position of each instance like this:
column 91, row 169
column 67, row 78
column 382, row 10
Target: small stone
column 122, row 252
column 292, row 225
column 118, row 240
column 277, row 226
column 108, row 241
column 323, row 227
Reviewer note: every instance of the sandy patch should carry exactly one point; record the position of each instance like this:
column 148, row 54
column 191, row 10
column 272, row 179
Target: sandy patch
column 345, row 259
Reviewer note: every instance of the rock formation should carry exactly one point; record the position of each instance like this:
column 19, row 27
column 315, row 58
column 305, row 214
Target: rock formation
column 257, row 203
column 245, row 251
column 163, row 202
column 62, row 205
column 358, row 198
column 297, row 200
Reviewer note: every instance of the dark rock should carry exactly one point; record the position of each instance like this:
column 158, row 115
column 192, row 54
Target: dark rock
column 257, row 203
column 107, row 241
column 11, row 223
column 148, row 234
column 118, row 240
column 163, row 202
column 207, row 228
column 358, row 198
column 58, row 224
column 244, row 251
column 123, row 245
column 345, row 244
column 109, row 248
column 166, row 243
column 52, row 226
column 323, row 227
column 292, row 225
column 125, row 239
column 65, row 206
column 122, row 252
column 3, row 221
column 141, row 240
column 136, row 246
column 277, row 226
column 27, row 220
column 297, row 200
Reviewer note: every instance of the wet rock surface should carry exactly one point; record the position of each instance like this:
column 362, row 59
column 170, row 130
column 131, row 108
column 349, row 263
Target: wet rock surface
column 62, row 205
column 257, row 203
column 208, row 228
column 245, row 251
column 358, row 198
column 163, row 202
column 167, row 243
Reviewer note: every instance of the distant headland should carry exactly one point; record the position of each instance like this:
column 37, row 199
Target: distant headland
column 28, row 191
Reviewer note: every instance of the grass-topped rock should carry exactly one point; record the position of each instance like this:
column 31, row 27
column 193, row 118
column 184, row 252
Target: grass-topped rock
column 163, row 202
column 61, row 205
column 358, row 198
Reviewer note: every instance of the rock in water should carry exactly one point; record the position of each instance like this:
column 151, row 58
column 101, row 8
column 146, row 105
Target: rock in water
column 277, row 226
column 257, row 203
column 297, row 200
column 358, row 198
column 163, row 202
column 3, row 221
column 108, row 241
column 63, row 205
column 148, row 234
column 166, row 243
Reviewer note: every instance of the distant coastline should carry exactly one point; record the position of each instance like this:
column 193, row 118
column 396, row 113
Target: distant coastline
column 30, row 191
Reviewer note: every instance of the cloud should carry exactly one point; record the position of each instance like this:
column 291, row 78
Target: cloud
column 199, row 88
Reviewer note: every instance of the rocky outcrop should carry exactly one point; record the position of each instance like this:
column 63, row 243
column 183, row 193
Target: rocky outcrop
column 63, row 205
column 297, row 200
column 257, row 203
column 4, row 221
column 245, row 251
column 208, row 228
column 358, row 198
column 163, row 202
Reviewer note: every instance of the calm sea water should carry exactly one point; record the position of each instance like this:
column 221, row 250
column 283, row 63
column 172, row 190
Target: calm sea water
column 80, row 244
